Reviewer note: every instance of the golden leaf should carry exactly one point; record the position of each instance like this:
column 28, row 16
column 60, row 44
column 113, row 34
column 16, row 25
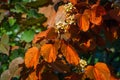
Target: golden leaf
column 49, row 52
column 32, row 57
column 70, row 54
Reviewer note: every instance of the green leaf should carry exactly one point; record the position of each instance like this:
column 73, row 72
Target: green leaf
column 33, row 13
column 19, row 8
column 28, row 36
column 37, row 3
column 1, row 17
column 33, row 21
column 11, row 21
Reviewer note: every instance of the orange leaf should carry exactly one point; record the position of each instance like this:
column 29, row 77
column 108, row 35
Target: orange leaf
column 99, row 71
column 73, row 1
column 70, row 54
column 89, row 72
column 89, row 45
column 96, row 14
column 32, row 76
column 49, row 52
column 84, row 23
column 49, row 33
column 32, row 57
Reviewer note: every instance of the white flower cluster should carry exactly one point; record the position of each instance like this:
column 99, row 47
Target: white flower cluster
column 83, row 63
column 69, row 19
column 69, row 7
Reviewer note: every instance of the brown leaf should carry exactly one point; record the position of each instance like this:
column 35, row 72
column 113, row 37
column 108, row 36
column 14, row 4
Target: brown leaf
column 70, row 54
column 100, row 41
column 49, row 52
column 73, row 76
column 50, row 13
column 99, row 71
column 32, row 57
column 60, row 67
column 115, row 14
column 49, row 76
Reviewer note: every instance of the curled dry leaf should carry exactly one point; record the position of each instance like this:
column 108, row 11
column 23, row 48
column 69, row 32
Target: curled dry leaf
column 49, row 52
column 99, row 71
column 32, row 57
column 70, row 54
column 14, row 66
column 13, row 70
column 5, row 75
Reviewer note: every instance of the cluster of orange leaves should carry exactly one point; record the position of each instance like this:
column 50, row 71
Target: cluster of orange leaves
column 48, row 46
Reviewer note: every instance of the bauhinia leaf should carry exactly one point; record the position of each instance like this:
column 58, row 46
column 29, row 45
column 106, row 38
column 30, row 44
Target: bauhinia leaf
column 73, row 1
column 99, row 71
column 49, row 33
column 32, row 57
column 96, row 14
column 49, row 52
column 84, row 23
column 32, row 76
column 70, row 54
